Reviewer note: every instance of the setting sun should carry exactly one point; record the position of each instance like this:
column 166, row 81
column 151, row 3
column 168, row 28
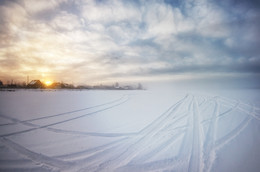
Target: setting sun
column 48, row 83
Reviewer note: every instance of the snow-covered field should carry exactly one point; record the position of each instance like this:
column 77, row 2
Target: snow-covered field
column 160, row 130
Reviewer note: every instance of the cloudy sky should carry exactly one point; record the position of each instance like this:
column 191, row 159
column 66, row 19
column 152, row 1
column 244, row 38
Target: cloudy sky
column 88, row 42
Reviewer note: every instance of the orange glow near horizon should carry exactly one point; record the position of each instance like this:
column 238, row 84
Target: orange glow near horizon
column 48, row 82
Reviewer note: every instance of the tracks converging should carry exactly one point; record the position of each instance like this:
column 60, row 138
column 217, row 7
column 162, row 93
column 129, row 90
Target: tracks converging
column 104, row 107
column 185, row 137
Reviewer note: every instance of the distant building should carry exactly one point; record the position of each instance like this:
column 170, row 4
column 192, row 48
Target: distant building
column 139, row 87
column 60, row 85
column 128, row 87
column 116, row 86
column 55, row 85
column 1, row 84
column 35, row 84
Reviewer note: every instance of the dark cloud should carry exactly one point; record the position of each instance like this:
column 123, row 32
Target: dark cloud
column 6, row 2
column 196, row 69
column 45, row 15
column 255, row 4
column 130, row 38
column 174, row 3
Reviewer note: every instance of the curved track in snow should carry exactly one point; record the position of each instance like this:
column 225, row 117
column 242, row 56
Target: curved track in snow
column 186, row 137
column 36, row 127
column 15, row 121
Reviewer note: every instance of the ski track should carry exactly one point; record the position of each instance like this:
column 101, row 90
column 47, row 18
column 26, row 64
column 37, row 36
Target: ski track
column 133, row 151
column 82, row 153
column 63, row 131
column 52, row 163
column 61, row 114
column 239, row 108
column 234, row 133
column 36, row 127
column 185, row 147
column 223, row 114
column 209, row 152
column 195, row 157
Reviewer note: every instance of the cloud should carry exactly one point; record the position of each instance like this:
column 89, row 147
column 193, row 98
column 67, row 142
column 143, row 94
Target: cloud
column 92, row 41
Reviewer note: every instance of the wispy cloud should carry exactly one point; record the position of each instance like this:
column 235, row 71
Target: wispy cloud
column 95, row 41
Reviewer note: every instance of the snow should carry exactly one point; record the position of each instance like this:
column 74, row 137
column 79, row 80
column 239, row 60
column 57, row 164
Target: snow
column 151, row 130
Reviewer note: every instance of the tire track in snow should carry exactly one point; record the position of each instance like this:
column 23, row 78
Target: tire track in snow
column 135, row 144
column 162, row 146
column 125, row 154
column 224, row 113
column 73, row 155
column 83, row 153
column 195, row 162
column 239, row 108
column 124, row 163
column 202, row 102
column 185, row 145
column 250, row 114
column 92, row 162
column 235, row 132
column 160, row 165
column 61, row 114
column 62, row 131
column 211, row 144
column 23, row 164
column 5, row 164
column 59, row 122
column 149, row 136
column 52, row 163
column 209, row 151
column 162, row 117
column 16, row 121
column 130, row 142
column 26, row 169
column 71, row 132
column 102, row 153
column 230, row 101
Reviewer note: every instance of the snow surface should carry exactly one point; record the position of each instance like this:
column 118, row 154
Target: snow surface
column 163, row 130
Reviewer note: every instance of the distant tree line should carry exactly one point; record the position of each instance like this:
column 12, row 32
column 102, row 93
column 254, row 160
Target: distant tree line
column 37, row 84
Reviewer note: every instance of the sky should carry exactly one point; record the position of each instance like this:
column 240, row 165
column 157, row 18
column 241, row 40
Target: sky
column 102, row 41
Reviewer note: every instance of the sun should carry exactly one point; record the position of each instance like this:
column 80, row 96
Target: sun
column 48, row 83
